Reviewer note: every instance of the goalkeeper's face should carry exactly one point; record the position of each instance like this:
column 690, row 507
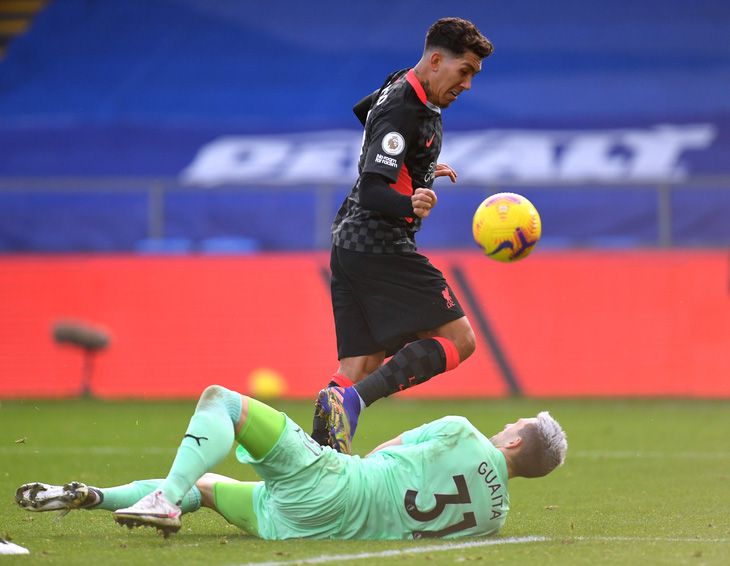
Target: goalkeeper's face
column 511, row 432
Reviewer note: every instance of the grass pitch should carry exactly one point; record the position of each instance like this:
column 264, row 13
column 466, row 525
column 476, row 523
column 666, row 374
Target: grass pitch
column 645, row 482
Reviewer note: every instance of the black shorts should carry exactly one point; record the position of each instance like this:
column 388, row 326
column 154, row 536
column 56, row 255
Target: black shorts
column 381, row 301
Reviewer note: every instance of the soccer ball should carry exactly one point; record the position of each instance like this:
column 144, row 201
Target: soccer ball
column 507, row 227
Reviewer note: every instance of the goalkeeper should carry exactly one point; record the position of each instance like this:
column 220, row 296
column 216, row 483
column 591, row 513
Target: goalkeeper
column 442, row 479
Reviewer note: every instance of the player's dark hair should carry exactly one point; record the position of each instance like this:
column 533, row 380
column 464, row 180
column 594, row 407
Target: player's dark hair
column 458, row 36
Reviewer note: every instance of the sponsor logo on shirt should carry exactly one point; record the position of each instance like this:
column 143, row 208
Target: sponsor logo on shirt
column 385, row 160
column 393, row 143
column 431, row 174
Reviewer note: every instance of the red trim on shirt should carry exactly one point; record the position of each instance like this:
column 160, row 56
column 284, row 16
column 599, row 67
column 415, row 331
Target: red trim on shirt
column 416, row 84
column 404, row 184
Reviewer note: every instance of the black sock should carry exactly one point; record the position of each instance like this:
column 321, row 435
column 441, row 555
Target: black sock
column 416, row 363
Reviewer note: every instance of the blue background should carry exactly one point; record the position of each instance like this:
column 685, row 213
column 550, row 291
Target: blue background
column 133, row 89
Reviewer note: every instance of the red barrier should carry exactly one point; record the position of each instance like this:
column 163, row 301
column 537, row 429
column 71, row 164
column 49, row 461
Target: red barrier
column 647, row 323
column 612, row 324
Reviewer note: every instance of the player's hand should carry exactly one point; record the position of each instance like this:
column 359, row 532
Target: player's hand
column 423, row 200
column 442, row 170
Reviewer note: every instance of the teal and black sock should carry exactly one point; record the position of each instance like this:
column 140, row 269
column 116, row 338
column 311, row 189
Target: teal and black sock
column 415, row 363
column 123, row 496
column 207, row 442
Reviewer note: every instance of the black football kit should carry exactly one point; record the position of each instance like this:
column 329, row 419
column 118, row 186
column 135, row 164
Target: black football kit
column 402, row 142
column 383, row 291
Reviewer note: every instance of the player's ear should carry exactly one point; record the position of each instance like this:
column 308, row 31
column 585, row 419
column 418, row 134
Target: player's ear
column 514, row 443
column 436, row 59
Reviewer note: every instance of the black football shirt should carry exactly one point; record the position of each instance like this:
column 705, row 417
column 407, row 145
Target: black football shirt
column 402, row 142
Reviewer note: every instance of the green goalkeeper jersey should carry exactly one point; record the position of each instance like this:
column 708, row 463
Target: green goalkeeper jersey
column 445, row 480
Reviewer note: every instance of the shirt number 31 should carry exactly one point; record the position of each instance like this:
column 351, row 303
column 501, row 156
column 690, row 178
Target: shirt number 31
column 442, row 500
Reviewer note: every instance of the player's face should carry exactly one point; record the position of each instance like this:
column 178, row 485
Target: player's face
column 511, row 431
column 454, row 77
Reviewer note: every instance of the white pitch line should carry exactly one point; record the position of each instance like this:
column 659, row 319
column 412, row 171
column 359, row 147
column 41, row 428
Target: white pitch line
column 650, row 454
column 458, row 546
column 399, row 552
column 651, row 539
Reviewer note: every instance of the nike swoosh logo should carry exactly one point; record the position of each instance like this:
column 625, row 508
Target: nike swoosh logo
column 428, row 143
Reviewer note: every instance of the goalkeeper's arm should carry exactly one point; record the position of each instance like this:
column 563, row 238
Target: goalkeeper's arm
column 397, row 441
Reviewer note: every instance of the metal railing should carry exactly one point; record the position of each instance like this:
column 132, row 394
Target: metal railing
column 157, row 187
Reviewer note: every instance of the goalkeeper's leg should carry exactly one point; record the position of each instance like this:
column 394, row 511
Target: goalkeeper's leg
column 220, row 416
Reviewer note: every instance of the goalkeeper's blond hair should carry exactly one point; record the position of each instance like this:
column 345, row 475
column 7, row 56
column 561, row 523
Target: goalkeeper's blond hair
column 543, row 447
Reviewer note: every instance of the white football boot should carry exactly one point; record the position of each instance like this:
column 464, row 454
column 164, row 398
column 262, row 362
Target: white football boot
column 153, row 510
column 37, row 496
column 12, row 548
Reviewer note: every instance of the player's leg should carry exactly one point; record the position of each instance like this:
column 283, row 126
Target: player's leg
column 358, row 351
column 38, row 496
column 418, row 362
column 206, row 487
column 232, row 499
column 339, row 408
column 459, row 332
column 357, row 368
column 304, row 486
column 409, row 285
column 113, row 498
column 206, row 443
column 431, row 331
column 351, row 371
column 304, row 492
column 438, row 351
column 220, row 417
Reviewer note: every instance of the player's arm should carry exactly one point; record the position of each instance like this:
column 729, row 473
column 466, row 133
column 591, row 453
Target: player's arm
column 362, row 108
column 446, row 427
column 397, row 441
column 376, row 194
